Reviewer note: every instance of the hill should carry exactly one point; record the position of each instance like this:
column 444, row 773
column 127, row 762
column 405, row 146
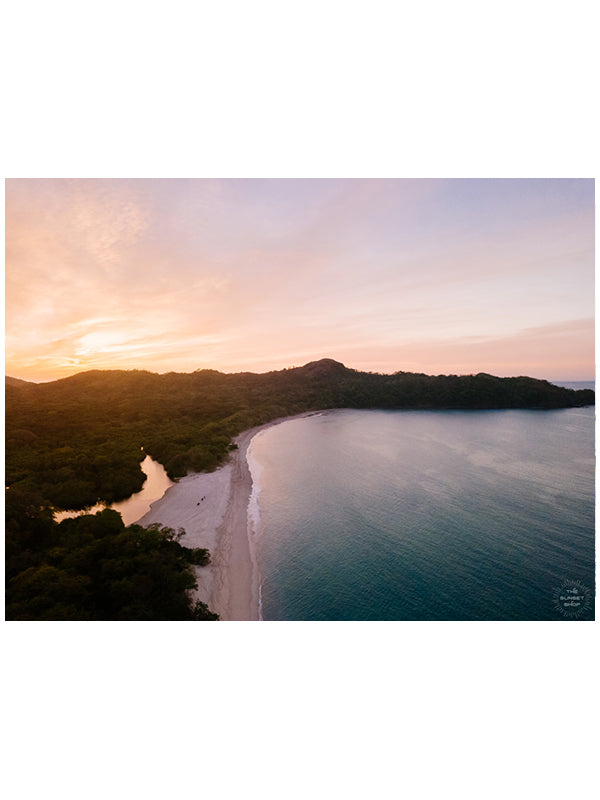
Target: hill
column 79, row 439
column 17, row 382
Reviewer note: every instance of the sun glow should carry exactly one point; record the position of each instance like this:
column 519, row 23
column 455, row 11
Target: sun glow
column 104, row 342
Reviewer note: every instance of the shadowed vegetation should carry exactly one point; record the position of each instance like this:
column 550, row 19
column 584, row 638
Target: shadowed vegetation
column 94, row 568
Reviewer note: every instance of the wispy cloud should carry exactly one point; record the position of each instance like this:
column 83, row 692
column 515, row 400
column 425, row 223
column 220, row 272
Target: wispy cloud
column 259, row 274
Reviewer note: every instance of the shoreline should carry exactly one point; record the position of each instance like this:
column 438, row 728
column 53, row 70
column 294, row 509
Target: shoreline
column 212, row 507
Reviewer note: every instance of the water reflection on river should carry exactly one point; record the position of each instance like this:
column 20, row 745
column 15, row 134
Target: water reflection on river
column 134, row 508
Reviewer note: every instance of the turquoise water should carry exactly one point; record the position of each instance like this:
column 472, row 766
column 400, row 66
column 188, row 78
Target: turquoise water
column 426, row 515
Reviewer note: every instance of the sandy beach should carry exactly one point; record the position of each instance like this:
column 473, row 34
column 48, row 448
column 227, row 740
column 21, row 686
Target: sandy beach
column 212, row 508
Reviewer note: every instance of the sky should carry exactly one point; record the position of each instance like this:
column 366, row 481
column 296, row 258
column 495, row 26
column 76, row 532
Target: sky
column 434, row 276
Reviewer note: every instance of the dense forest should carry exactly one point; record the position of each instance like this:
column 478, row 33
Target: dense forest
column 72, row 442
column 92, row 567
column 79, row 440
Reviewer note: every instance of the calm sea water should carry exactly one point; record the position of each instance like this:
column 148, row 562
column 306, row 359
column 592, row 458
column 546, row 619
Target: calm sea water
column 426, row 515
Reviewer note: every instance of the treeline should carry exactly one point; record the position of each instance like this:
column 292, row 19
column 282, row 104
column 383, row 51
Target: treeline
column 78, row 440
column 94, row 568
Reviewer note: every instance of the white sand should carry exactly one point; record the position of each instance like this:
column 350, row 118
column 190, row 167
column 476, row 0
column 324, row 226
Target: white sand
column 182, row 506
column 219, row 522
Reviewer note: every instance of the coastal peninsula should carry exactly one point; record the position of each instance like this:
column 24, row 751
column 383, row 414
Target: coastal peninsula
column 78, row 440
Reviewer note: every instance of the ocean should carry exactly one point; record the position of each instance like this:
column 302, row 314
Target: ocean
column 426, row 515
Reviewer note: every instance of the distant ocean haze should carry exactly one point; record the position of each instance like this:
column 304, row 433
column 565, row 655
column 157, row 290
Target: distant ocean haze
column 424, row 515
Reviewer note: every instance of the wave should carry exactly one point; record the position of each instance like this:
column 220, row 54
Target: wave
column 254, row 520
column 256, row 470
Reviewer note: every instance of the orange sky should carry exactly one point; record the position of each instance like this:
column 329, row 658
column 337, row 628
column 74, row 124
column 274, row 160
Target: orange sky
column 384, row 275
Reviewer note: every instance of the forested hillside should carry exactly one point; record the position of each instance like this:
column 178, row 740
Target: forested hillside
column 80, row 439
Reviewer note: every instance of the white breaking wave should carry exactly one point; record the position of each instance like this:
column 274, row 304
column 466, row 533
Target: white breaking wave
column 256, row 470
column 254, row 522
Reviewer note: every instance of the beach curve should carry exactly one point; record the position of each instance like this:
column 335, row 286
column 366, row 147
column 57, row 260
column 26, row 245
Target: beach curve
column 212, row 508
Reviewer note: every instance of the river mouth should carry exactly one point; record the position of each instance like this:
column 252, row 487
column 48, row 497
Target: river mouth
column 133, row 508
